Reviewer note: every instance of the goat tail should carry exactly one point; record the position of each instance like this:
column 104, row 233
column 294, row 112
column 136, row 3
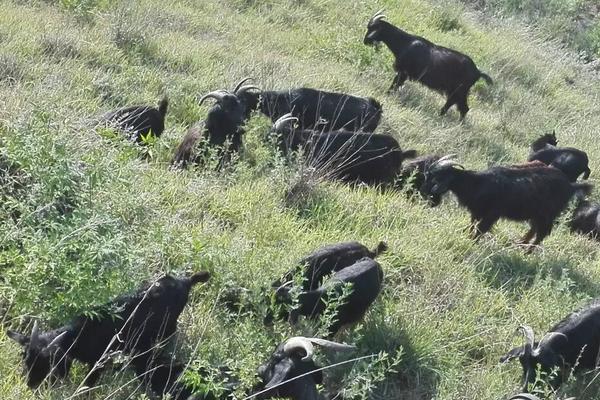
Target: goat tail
column 382, row 247
column 163, row 105
column 488, row 79
column 202, row 276
column 581, row 190
column 375, row 103
column 586, row 173
column 409, row 154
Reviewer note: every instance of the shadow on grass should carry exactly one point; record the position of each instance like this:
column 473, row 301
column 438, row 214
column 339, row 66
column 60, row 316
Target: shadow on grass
column 415, row 377
column 515, row 272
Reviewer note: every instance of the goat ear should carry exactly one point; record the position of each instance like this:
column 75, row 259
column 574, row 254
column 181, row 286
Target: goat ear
column 17, row 337
column 280, row 372
column 511, row 355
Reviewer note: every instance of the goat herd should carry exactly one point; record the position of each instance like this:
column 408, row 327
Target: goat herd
column 334, row 133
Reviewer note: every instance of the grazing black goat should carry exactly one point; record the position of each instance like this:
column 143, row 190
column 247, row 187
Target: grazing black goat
column 317, row 109
column 139, row 121
column 573, row 343
column 224, row 123
column 188, row 151
column 439, row 68
column 290, row 360
column 413, row 174
column 366, row 279
column 533, row 193
column 586, row 219
column 132, row 324
column 572, row 162
column 350, row 156
column 328, row 259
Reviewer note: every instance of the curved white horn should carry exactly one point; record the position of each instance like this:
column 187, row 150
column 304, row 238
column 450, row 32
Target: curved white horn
column 297, row 343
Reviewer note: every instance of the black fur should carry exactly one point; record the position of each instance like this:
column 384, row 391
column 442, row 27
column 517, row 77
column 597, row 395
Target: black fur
column 413, row 173
column 138, row 121
column 366, row 277
column 571, row 161
column 328, row 259
column 586, row 219
column 576, row 345
column 318, row 109
column 533, row 193
column 141, row 320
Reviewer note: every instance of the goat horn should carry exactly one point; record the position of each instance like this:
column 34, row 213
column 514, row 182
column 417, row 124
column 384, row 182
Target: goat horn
column 240, row 83
column 57, row 339
column 445, row 161
column 217, row 95
column 245, row 88
column 35, row 332
column 284, row 118
column 529, row 338
column 377, row 16
column 331, row 345
column 299, row 343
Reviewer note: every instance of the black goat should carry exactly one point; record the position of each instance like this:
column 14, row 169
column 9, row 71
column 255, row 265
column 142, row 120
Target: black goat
column 413, row 174
column 317, row 109
column 284, row 376
column 571, row 161
column 366, row 278
column 133, row 324
column 439, row 68
column 139, row 121
column 533, row 193
column 188, row 151
column 586, row 219
column 328, row 259
column 573, row 343
column 350, row 156
column 224, row 123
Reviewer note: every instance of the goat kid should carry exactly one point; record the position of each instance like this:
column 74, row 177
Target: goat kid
column 572, row 162
column 139, row 121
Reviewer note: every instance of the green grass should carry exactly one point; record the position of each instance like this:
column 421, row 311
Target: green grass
column 85, row 217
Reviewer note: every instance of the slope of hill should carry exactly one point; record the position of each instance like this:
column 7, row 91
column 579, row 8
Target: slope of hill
column 85, row 216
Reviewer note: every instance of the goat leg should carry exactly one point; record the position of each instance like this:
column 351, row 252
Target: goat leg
column 483, row 226
column 528, row 236
column 398, row 81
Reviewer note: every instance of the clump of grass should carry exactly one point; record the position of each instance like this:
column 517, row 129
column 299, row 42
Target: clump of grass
column 59, row 46
column 12, row 70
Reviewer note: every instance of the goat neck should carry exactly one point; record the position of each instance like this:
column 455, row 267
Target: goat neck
column 395, row 38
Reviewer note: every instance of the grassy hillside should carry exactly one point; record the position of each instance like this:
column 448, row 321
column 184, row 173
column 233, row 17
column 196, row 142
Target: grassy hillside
column 86, row 216
column 574, row 22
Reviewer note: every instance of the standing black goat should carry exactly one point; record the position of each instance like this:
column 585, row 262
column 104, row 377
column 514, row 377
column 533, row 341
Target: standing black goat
column 366, row 279
column 139, row 121
column 533, row 193
column 586, row 219
column 573, row 343
column 224, row 123
column 133, row 324
column 572, row 162
column 284, row 376
column 439, row 68
column 350, row 156
column 317, row 109
column 328, row 259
